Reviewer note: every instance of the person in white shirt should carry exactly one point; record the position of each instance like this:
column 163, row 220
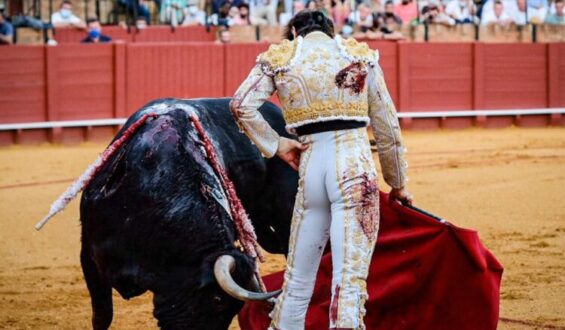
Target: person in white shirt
column 362, row 17
column 498, row 16
column 519, row 15
column 263, row 12
column 558, row 17
column 194, row 15
column 509, row 7
column 65, row 17
column 462, row 11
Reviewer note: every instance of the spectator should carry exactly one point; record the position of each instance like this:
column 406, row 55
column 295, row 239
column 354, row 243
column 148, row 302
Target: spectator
column 94, row 30
column 138, row 8
column 462, row 11
column 224, row 36
column 390, row 26
column 407, row 10
column 510, row 6
column 326, row 7
column 244, row 13
column 298, row 6
column 432, row 13
column 65, row 17
column 374, row 5
column 312, row 5
column 537, row 10
column 173, row 11
column 497, row 16
column 141, row 22
column 234, row 17
column 557, row 18
column 341, row 12
column 519, row 14
column 362, row 18
column 263, row 12
column 221, row 17
column 6, row 31
column 388, row 14
column 194, row 15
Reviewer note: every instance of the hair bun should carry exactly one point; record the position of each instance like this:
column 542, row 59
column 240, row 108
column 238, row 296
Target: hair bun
column 318, row 16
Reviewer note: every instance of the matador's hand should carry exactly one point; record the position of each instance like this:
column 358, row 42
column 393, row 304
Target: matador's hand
column 289, row 150
column 402, row 195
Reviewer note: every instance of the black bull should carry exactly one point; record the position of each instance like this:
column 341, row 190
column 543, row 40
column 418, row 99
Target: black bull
column 151, row 220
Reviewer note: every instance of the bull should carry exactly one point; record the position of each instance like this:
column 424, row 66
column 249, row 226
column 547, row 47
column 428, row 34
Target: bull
column 152, row 217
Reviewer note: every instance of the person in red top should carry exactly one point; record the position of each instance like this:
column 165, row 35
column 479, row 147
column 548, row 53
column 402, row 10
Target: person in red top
column 407, row 10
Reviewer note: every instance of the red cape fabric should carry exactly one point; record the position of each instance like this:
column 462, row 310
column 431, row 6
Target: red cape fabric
column 425, row 274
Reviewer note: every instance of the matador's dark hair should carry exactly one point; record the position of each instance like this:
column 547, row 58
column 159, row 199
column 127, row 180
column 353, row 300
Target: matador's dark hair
column 308, row 21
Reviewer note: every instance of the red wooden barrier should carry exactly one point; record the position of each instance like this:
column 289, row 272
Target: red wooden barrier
column 511, row 76
column 69, row 35
column 435, row 76
column 183, row 70
column 74, row 36
column 556, row 74
column 239, row 58
column 388, row 53
column 81, row 82
column 114, row 80
column 22, row 91
column 80, row 86
column 181, row 34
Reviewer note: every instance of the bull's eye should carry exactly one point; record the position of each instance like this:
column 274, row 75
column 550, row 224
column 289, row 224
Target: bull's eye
column 217, row 299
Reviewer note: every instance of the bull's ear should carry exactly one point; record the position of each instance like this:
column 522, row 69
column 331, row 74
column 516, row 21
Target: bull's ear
column 207, row 270
column 244, row 266
column 206, row 275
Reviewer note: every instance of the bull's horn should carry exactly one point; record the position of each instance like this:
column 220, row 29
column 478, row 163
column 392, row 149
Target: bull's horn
column 223, row 267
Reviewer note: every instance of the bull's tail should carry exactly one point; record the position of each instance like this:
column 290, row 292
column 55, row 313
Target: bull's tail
column 79, row 185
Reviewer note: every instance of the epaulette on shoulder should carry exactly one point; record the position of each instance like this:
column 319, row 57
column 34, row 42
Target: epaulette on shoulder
column 358, row 51
column 278, row 57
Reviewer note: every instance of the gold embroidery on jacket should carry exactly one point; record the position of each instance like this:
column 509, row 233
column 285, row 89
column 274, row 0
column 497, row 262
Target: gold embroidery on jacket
column 318, row 110
column 278, row 56
column 359, row 49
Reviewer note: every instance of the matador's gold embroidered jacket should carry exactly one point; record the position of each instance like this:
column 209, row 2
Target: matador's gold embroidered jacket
column 318, row 79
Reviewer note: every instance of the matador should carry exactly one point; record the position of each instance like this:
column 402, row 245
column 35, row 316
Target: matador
column 330, row 89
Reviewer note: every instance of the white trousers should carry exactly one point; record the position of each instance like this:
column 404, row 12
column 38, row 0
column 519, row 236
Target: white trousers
column 338, row 199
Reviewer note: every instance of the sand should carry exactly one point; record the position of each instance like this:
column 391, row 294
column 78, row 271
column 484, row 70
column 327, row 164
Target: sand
column 507, row 184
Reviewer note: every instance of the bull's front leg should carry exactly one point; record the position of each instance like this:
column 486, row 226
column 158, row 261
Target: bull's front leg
column 100, row 292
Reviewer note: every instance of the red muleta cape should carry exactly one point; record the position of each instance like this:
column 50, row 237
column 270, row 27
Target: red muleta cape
column 425, row 274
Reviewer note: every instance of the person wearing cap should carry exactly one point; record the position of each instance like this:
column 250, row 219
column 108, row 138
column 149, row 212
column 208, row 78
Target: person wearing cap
column 330, row 89
column 94, row 30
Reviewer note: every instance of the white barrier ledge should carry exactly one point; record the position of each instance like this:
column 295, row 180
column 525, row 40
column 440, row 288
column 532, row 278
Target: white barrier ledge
column 412, row 114
column 476, row 113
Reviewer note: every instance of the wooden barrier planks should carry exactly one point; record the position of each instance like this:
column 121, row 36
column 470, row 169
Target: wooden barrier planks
column 436, row 76
column 22, row 84
column 158, row 70
column 75, row 82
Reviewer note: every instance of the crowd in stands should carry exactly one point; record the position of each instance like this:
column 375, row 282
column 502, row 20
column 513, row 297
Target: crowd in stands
column 358, row 18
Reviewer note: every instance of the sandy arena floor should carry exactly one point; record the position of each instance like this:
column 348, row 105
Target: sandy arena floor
column 507, row 183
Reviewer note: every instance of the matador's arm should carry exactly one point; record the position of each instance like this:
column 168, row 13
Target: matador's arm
column 253, row 92
column 386, row 129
